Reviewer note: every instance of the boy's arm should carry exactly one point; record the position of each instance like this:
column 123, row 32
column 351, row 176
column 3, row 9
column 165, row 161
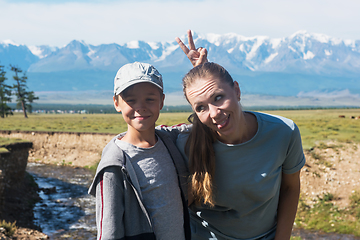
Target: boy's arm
column 109, row 205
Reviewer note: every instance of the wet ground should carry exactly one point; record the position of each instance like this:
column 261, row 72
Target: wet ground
column 68, row 212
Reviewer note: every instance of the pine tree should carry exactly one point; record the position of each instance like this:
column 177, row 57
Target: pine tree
column 5, row 95
column 23, row 97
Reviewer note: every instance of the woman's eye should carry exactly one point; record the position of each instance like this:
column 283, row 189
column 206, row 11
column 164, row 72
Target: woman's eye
column 199, row 108
column 218, row 97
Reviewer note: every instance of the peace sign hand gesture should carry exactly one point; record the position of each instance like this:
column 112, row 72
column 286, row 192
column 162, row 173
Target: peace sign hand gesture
column 196, row 56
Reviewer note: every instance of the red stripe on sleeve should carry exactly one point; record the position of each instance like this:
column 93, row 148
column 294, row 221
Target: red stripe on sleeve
column 102, row 205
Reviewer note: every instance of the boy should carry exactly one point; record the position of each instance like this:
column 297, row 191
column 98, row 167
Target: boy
column 140, row 184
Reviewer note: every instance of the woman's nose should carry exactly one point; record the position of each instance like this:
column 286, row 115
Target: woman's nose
column 213, row 111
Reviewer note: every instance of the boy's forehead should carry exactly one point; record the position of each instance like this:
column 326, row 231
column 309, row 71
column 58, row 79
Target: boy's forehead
column 141, row 88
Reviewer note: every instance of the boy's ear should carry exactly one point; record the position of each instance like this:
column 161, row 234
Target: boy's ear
column 116, row 103
column 237, row 90
column 162, row 101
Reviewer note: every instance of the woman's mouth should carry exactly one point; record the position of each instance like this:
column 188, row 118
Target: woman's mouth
column 223, row 123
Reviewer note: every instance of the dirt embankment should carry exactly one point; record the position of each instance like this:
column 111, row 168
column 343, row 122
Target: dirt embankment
column 331, row 168
column 76, row 149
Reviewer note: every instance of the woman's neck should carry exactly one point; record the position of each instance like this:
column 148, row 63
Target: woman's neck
column 247, row 129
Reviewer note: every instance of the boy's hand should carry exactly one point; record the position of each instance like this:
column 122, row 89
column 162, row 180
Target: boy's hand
column 196, row 56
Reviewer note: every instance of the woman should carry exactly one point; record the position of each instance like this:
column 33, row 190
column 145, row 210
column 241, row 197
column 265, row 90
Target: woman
column 245, row 166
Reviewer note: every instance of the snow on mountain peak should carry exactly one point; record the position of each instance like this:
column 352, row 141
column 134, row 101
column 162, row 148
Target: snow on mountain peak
column 132, row 44
column 321, row 37
column 8, row 42
column 309, row 55
column 214, row 38
column 37, row 51
column 259, row 40
column 300, row 33
column 271, row 57
column 154, row 45
column 275, row 42
column 302, row 50
column 218, row 39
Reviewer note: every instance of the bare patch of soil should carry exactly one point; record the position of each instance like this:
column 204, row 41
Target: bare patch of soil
column 331, row 168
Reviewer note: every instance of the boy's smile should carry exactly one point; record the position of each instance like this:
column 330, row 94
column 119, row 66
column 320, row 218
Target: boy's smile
column 140, row 106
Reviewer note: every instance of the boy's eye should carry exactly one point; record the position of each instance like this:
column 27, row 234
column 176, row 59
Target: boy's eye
column 150, row 99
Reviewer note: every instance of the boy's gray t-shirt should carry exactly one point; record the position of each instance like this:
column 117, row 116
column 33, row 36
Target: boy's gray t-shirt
column 247, row 181
column 159, row 186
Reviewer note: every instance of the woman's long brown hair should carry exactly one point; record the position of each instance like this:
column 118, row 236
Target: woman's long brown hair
column 199, row 145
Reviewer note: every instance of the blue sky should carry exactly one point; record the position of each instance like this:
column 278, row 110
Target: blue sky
column 57, row 22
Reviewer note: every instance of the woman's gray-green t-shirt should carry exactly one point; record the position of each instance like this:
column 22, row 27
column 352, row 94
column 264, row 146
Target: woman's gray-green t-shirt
column 247, row 181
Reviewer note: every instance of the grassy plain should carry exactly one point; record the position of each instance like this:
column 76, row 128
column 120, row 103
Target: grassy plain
column 100, row 123
column 7, row 141
column 315, row 125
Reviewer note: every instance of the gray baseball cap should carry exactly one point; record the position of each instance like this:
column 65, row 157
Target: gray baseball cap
column 133, row 73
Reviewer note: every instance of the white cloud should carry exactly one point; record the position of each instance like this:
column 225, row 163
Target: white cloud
column 98, row 22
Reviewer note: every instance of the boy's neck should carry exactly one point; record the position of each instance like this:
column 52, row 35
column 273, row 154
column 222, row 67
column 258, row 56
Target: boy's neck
column 143, row 139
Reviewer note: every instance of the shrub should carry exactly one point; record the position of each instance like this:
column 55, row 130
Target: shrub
column 10, row 228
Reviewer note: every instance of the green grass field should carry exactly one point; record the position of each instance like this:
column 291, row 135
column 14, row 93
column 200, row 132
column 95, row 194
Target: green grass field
column 324, row 125
column 315, row 125
column 7, row 141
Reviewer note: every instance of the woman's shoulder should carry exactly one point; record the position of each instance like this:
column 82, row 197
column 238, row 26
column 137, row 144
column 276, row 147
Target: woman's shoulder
column 274, row 120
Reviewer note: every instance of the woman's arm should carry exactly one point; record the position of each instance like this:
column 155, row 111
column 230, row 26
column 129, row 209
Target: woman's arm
column 288, row 202
column 196, row 56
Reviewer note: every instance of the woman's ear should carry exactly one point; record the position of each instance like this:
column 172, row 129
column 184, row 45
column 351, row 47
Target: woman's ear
column 116, row 103
column 237, row 90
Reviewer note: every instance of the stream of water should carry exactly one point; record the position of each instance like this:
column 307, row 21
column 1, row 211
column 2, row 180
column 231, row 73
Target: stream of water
column 68, row 212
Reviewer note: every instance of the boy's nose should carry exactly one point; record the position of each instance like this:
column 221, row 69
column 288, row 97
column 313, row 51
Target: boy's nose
column 141, row 107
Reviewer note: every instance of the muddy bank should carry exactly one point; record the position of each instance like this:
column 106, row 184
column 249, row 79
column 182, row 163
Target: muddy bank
column 76, row 149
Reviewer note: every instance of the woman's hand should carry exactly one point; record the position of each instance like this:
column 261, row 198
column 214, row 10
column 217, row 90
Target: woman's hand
column 196, row 56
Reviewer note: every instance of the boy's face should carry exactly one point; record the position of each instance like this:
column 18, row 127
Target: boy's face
column 140, row 106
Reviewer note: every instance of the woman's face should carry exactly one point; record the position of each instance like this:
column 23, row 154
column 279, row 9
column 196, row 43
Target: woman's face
column 217, row 106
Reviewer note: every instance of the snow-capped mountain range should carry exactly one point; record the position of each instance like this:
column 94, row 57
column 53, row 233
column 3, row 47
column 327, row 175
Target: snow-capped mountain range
column 302, row 62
